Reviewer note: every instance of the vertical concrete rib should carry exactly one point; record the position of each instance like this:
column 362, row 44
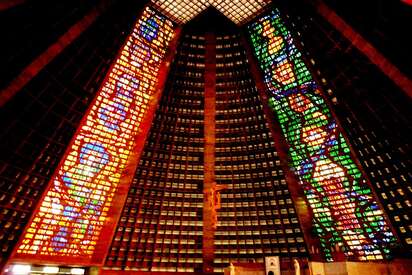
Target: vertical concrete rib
column 209, row 211
column 359, row 42
column 41, row 61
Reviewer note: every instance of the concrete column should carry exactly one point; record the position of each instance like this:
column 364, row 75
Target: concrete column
column 41, row 61
column 209, row 184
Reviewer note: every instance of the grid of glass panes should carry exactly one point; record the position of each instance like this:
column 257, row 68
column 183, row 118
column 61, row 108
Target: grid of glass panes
column 380, row 139
column 39, row 122
column 161, row 225
column 240, row 11
column 345, row 211
column 257, row 217
column 182, row 11
column 70, row 218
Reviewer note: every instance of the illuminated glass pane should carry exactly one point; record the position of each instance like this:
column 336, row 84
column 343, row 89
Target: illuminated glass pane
column 181, row 11
column 75, row 208
column 344, row 209
column 239, row 11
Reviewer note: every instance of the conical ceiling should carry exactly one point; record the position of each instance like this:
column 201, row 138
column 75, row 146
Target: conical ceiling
column 239, row 11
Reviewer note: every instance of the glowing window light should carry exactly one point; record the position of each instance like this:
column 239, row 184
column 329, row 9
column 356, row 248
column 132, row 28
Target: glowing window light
column 239, row 11
column 20, row 269
column 345, row 211
column 77, row 271
column 71, row 216
column 180, row 11
column 51, row 269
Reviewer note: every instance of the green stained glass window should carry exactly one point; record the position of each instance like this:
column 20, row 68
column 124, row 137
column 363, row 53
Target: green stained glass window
column 345, row 213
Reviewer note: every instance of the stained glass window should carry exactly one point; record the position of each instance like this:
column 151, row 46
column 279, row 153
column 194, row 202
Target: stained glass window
column 72, row 214
column 345, row 211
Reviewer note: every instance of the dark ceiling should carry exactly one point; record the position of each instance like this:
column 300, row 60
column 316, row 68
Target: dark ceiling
column 211, row 20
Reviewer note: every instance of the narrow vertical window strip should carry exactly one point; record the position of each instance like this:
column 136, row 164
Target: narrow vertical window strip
column 71, row 216
column 345, row 212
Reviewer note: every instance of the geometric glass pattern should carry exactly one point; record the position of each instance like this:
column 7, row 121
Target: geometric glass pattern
column 239, row 11
column 345, row 213
column 180, row 11
column 77, row 204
